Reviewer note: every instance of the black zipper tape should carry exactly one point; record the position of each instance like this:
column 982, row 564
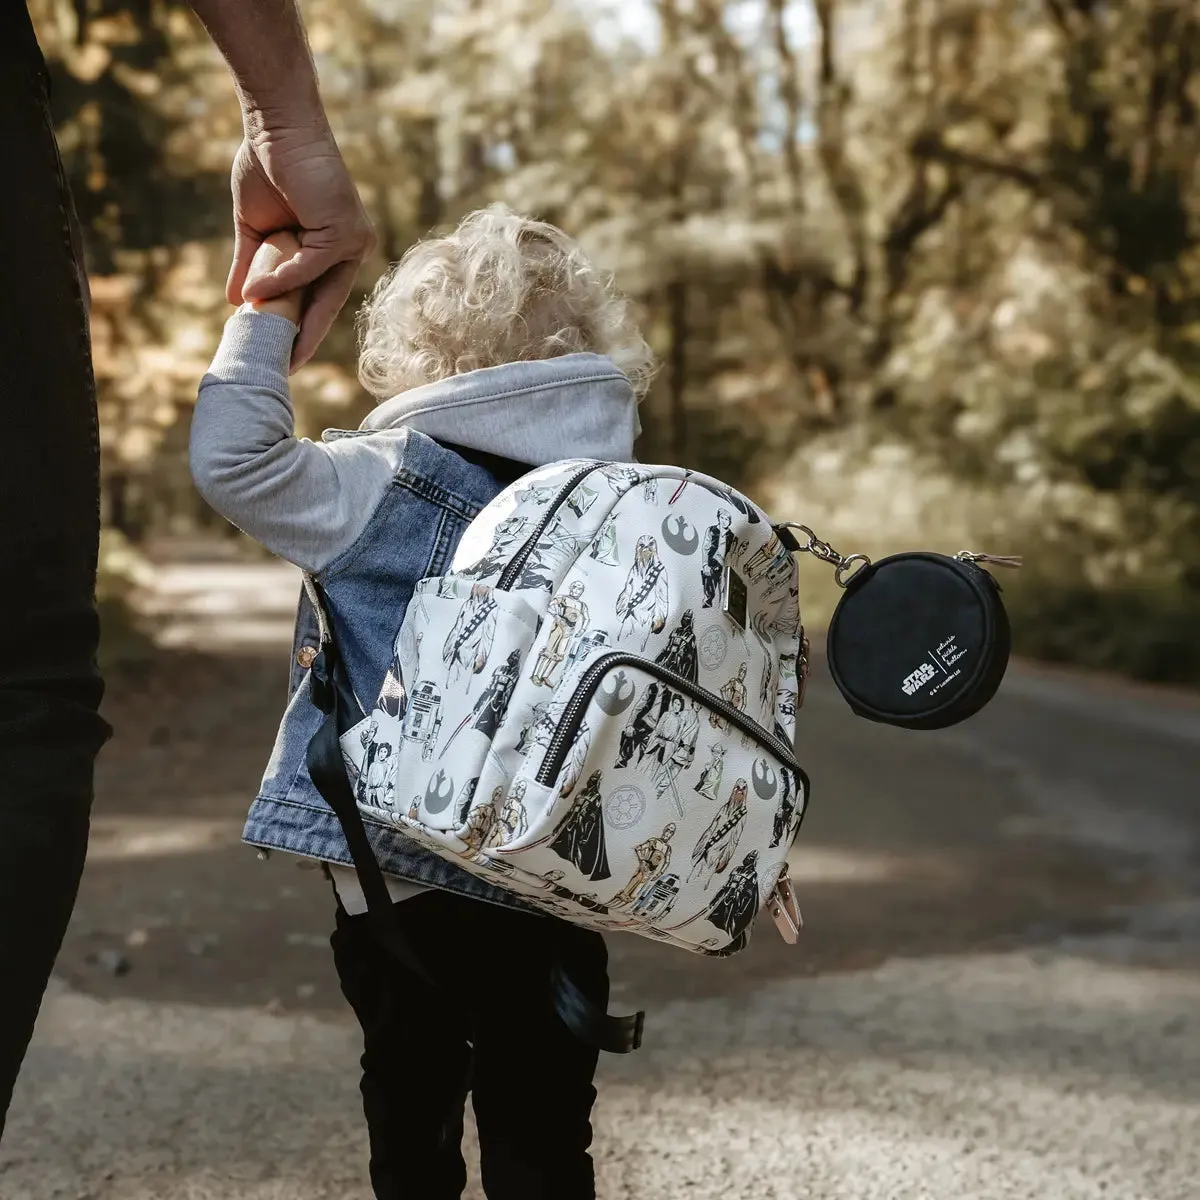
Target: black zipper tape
column 516, row 564
column 573, row 714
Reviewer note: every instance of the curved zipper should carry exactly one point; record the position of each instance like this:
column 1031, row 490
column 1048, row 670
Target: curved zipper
column 560, row 743
column 516, row 564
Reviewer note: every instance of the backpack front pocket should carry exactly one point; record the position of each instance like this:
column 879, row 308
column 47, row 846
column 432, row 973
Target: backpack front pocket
column 662, row 805
column 417, row 758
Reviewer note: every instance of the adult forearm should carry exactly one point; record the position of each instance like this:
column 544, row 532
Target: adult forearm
column 264, row 43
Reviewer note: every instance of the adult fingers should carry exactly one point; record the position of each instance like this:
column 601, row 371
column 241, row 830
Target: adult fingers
column 309, row 264
column 326, row 298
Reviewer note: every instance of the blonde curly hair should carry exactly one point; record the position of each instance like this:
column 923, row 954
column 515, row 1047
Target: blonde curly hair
column 500, row 288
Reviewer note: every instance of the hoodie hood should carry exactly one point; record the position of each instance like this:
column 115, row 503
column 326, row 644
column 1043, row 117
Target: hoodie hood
column 574, row 406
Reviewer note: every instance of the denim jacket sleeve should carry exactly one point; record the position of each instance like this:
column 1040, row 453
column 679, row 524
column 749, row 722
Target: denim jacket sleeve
column 305, row 501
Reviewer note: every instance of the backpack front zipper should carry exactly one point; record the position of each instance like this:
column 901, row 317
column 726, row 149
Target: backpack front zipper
column 573, row 714
column 516, row 564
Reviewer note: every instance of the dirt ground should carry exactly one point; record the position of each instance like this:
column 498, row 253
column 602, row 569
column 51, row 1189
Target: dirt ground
column 995, row 994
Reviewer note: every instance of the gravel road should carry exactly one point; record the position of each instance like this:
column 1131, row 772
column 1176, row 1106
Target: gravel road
column 997, row 994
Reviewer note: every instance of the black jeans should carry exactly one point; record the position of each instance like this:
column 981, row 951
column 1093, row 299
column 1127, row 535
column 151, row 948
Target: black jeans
column 489, row 1030
column 49, row 528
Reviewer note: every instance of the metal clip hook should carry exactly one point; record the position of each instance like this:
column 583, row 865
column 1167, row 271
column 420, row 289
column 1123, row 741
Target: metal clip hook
column 784, row 909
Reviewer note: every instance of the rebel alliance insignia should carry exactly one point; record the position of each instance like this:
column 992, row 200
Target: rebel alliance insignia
column 766, row 782
column 439, row 793
column 616, row 695
column 680, row 536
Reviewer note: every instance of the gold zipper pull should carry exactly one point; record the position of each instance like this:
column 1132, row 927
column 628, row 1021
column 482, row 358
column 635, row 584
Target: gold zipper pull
column 784, row 910
column 1012, row 561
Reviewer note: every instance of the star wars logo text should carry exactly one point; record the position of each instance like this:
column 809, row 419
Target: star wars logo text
column 918, row 679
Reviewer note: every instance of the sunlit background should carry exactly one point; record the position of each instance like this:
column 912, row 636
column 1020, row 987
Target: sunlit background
column 924, row 274
column 921, row 272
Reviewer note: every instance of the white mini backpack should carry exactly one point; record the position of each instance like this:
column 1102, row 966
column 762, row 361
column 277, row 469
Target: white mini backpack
column 595, row 709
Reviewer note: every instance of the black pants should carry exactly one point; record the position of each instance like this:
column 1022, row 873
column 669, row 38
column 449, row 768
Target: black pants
column 49, row 527
column 489, row 1030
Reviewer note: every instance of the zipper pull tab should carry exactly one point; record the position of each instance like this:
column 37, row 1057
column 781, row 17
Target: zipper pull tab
column 784, row 909
column 1012, row 561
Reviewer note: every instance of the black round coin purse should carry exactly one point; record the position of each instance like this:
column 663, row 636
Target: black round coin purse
column 919, row 640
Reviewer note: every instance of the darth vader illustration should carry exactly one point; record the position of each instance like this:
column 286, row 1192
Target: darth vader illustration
column 735, row 906
column 492, row 704
column 679, row 654
column 580, row 839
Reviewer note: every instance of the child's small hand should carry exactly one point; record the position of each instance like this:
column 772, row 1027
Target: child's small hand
column 278, row 248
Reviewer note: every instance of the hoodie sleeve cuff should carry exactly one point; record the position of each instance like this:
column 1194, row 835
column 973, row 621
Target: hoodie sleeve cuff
column 255, row 350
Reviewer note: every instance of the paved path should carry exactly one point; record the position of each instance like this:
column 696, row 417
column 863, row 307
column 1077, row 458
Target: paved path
column 997, row 995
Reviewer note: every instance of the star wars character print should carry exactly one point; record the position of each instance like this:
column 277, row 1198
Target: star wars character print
column 575, row 713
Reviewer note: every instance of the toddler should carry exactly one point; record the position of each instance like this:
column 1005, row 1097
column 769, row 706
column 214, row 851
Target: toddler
column 490, row 351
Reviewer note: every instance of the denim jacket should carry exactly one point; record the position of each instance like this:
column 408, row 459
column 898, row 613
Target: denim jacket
column 368, row 513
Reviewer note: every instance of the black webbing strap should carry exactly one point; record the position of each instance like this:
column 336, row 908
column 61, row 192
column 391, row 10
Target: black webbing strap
column 326, row 767
column 328, row 773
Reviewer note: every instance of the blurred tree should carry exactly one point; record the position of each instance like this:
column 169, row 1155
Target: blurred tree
column 137, row 112
column 963, row 230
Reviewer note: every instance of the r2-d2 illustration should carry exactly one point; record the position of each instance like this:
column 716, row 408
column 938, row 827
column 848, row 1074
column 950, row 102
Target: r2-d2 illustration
column 423, row 720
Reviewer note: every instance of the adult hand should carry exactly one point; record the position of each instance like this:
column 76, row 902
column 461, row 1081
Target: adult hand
column 296, row 179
